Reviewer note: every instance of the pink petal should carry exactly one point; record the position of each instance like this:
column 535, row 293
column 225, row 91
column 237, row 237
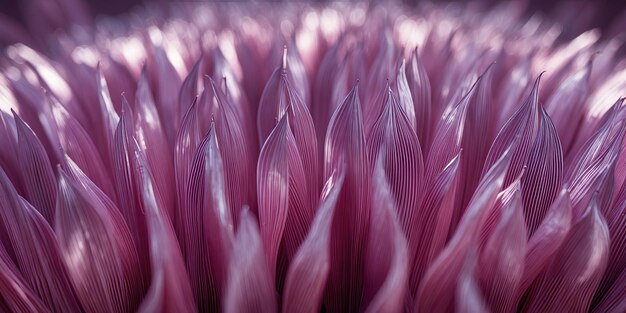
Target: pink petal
column 189, row 88
column 36, row 171
column 393, row 138
column 419, row 84
column 36, row 250
column 543, row 175
column 153, row 142
column 169, row 290
column 547, row 239
column 443, row 275
column 573, row 276
column 16, row 294
column 469, row 298
column 249, row 287
column 501, row 264
column 207, row 225
column 98, row 250
column 386, row 271
column 345, row 146
column 433, row 224
column 309, row 269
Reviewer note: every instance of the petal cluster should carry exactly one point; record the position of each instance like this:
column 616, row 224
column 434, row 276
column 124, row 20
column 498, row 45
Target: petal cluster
column 300, row 158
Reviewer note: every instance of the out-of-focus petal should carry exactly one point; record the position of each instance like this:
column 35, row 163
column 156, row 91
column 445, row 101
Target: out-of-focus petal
column 469, row 298
column 250, row 287
column 308, row 272
column 150, row 135
column 386, row 271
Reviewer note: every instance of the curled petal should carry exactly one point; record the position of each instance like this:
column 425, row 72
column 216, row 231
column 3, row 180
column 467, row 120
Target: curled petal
column 502, row 258
column 36, row 250
column 308, row 272
column 98, row 250
column 169, row 290
column 386, row 258
column 36, row 171
column 547, row 239
column 250, row 287
column 345, row 146
column 207, row 225
column 573, row 276
column 443, row 275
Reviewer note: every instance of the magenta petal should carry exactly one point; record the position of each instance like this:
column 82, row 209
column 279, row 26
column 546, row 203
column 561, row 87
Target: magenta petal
column 469, row 298
column 169, row 290
column 547, row 238
column 386, row 271
column 153, row 142
column 77, row 144
column 443, row 275
column 345, row 146
column 432, row 225
column 98, row 250
column 566, row 106
column 207, row 227
column 37, row 254
column 419, row 84
column 542, row 178
column 109, row 116
column 187, row 141
column 249, row 287
column 501, row 263
column 308, row 272
column 614, row 300
column 404, row 94
column 167, row 84
column 16, row 294
column 573, row 276
column 189, row 88
column 36, row 171
column 392, row 138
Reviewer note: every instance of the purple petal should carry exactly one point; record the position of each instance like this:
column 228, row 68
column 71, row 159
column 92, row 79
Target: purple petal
column 386, row 271
column 573, row 276
column 419, row 84
column 207, row 229
column 249, row 287
column 308, row 272
column 36, row 250
column 345, row 146
column 98, row 250
column 169, row 287
column 36, row 171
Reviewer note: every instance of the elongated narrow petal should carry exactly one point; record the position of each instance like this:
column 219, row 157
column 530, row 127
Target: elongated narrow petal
column 189, row 88
column 236, row 152
column 405, row 98
column 207, row 225
column 36, row 250
column 469, row 298
column 431, row 229
column 574, row 274
column 98, row 250
column 308, row 272
column 152, row 140
column 345, row 146
column 169, row 287
column 393, row 138
column 615, row 298
column 77, row 144
column 386, row 258
column 433, row 294
column 544, row 170
column 547, row 239
column 250, row 287
column 36, row 171
column 566, row 105
column 166, row 97
column 17, row 296
column 421, row 93
column 503, row 255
